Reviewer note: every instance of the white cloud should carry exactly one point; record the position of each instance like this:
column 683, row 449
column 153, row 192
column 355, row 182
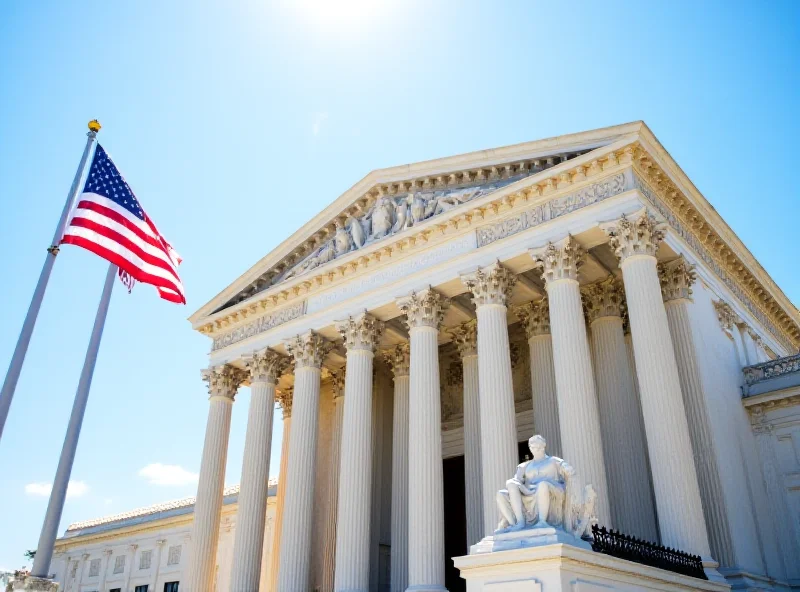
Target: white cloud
column 158, row 474
column 74, row 489
column 319, row 118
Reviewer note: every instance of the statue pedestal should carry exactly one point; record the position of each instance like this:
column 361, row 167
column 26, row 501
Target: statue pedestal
column 567, row 568
column 528, row 537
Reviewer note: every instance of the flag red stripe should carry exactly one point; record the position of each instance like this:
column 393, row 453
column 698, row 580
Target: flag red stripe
column 172, row 297
column 115, row 236
column 120, row 261
column 123, row 221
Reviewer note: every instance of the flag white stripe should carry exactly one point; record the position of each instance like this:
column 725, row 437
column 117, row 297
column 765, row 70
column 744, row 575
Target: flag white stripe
column 123, row 252
column 107, row 222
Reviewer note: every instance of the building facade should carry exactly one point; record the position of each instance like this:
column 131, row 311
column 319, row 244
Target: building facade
column 438, row 314
column 146, row 550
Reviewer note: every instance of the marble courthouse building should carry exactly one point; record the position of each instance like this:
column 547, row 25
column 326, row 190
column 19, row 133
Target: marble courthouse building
column 436, row 315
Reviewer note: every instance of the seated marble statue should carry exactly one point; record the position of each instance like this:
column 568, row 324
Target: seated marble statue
column 545, row 493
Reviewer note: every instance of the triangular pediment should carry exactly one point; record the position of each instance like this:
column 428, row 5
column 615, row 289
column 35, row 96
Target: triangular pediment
column 388, row 202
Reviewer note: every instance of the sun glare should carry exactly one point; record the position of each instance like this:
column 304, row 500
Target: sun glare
column 337, row 14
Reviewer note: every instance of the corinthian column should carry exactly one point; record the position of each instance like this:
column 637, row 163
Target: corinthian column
column 223, row 382
column 398, row 359
column 578, row 415
column 680, row 511
column 308, row 351
column 466, row 339
column 625, row 450
column 329, row 561
column 676, row 279
column 423, row 312
column 361, row 335
column 490, row 289
column 284, row 396
column 265, row 369
column 535, row 318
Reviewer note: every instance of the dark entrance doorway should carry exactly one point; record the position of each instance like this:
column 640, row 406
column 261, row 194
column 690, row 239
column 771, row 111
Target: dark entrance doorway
column 455, row 516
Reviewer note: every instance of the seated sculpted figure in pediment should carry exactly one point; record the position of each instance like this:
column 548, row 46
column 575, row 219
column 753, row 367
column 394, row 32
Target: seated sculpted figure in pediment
column 545, row 493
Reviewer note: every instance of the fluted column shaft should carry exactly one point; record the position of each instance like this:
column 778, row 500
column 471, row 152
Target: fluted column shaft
column 298, row 508
column 329, row 561
column 280, row 494
column 680, row 511
column 361, row 335
column 223, row 383
column 465, row 337
column 704, row 454
column 625, row 448
column 398, row 359
column 578, row 415
column 425, row 488
column 265, row 369
column 490, row 289
column 535, row 317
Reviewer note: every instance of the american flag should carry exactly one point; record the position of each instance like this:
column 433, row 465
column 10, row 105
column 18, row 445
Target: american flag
column 110, row 222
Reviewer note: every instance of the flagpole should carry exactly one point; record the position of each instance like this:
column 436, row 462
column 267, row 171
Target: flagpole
column 47, row 539
column 15, row 366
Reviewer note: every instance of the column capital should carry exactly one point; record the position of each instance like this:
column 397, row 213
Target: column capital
column 308, row 349
column 108, row 552
column 559, row 261
column 424, row 308
column 676, row 277
column 399, row 359
column 360, row 332
column 728, row 319
column 266, row 366
column 603, row 299
column 224, row 380
column 465, row 336
column 85, row 556
column 535, row 317
column 337, row 381
column 490, row 285
column 637, row 234
column 284, row 397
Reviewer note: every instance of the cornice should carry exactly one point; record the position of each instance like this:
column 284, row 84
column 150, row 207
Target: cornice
column 716, row 244
column 421, row 174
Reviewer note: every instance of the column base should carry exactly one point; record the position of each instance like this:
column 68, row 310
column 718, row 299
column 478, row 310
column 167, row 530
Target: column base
column 711, row 567
column 35, row 584
column 566, row 568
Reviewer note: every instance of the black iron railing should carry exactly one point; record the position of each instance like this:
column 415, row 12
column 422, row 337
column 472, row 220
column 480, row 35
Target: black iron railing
column 616, row 544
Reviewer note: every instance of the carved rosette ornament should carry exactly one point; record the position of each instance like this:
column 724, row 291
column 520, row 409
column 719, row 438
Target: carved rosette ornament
column 423, row 309
column 490, row 285
column 308, row 350
column 266, row 366
column 535, row 317
column 284, row 398
column 638, row 235
column 676, row 279
column 603, row 299
column 224, row 380
column 399, row 359
column 361, row 332
column 559, row 261
column 465, row 336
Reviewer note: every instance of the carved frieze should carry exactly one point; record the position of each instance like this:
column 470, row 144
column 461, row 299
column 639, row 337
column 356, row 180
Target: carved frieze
column 552, row 209
column 260, row 325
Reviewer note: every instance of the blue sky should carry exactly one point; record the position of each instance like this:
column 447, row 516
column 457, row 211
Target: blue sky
column 236, row 122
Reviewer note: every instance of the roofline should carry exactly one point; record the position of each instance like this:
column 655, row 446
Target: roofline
column 492, row 156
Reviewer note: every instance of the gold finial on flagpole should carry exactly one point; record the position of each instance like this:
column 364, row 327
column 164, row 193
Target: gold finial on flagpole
column 94, row 126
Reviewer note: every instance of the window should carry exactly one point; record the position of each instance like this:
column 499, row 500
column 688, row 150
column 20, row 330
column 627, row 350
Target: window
column 115, row 590
column 141, row 588
column 171, row 586
column 94, row 568
column 144, row 560
column 174, row 558
column 119, row 564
